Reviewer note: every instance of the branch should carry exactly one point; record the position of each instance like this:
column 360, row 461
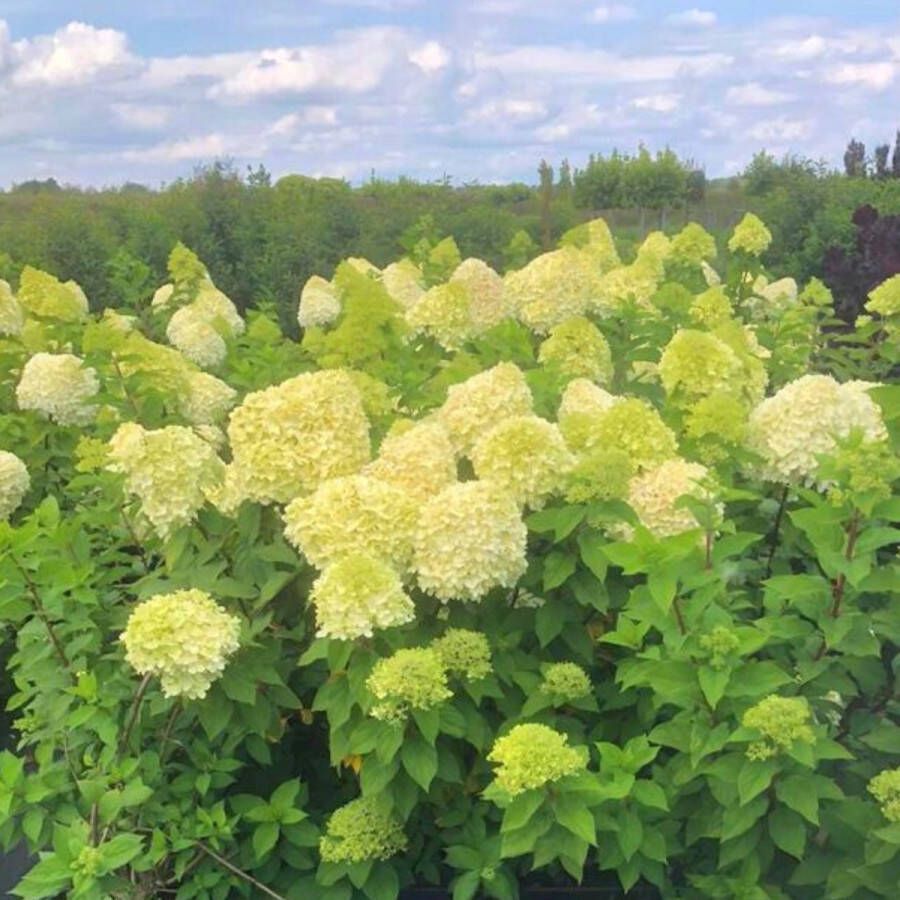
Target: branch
column 239, row 872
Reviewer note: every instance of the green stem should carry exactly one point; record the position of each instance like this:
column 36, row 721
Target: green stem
column 239, row 872
column 42, row 614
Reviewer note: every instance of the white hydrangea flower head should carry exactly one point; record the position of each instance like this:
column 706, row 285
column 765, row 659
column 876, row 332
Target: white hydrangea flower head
column 806, row 419
column 653, row 495
column 363, row 266
column 288, row 438
column 710, row 275
column 583, row 397
column 218, row 309
column 553, row 287
column 206, row 399
column 162, row 296
column 357, row 595
column 58, row 386
column 772, row 299
column 480, row 402
column 403, row 281
column 12, row 317
column 193, row 334
column 488, row 304
column 184, row 637
column 14, row 483
column 419, row 459
column 320, row 304
column 527, row 456
column 470, row 539
column 634, row 284
column 171, row 471
column 355, row 512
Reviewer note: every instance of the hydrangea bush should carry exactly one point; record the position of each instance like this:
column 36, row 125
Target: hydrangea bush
column 585, row 572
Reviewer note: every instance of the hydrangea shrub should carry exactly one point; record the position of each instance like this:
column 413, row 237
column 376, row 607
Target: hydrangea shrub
column 584, row 573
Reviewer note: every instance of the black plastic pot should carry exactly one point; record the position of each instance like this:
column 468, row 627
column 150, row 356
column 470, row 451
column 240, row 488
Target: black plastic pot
column 13, row 866
column 547, row 893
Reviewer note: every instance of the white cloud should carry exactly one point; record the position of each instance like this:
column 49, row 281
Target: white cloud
column 615, row 12
column 73, row 55
column 207, row 146
column 143, row 117
column 312, row 116
column 874, row 75
column 568, row 65
column 698, row 18
column 755, row 94
column 781, row 130
column 355, row 63
column 165, row 73
column 661, row 103
column 511, row 110
column 802, row 49
column 430, row 57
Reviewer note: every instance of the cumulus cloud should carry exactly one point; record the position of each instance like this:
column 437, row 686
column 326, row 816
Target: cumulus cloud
column 72, row 56
column 615, row 12
column 697, row 18
column 755, row 94
column 430, row 57
column 873, row 75
column 661, row 103
column 781, row 130
column 144, row 117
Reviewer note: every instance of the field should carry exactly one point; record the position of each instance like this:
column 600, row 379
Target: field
column 582, row 574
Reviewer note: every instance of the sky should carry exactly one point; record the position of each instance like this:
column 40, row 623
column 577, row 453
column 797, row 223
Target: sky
column 98, row 93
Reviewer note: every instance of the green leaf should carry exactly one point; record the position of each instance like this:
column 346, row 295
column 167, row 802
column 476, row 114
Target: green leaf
column 120, row 850
column 265, row 837
column 755, row 776
column 466, row 886
column 520, row 811
column 577, row 818
column 561, row 520
column 738, row 819
column 649, row 793
column 713, row 683
column 420, row 760
column 663, row 584
column 630, row 833
column 591, row 544
column 787, row 831
column 46, row 879
column 799, row 793
column 382, row 883
column 558, row 566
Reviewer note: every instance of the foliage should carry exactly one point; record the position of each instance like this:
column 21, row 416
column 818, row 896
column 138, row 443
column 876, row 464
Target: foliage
column 413, row 614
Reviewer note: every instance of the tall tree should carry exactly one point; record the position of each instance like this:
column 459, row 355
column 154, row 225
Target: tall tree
column 855, row 159
column 545, row 173
column 895, row 159
column 881, row 160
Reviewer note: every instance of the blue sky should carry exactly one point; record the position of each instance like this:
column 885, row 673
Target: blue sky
column 102, row 92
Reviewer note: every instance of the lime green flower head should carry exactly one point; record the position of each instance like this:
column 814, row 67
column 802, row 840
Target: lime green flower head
column 711, row 308
column 464, row 653
column 530, row 756
column 885, row 788
column 599, row 474
column 14, row 483
column 45, row 297
column 565, row 681
column 184, row 637
column 718, row 424
column 750, row 236
column 411, row 679
column 719, row 644
column 288, row 438
column 885, row 299
column 360, row 831
column 578, row 349
column 782, row 721
column 693, row 244
column 695, row 364
column 526, row 456
column 595, row 238
column 470, row 538
column 353, row 513
column 444, row 313
column 358, row 594
column 12, row 316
